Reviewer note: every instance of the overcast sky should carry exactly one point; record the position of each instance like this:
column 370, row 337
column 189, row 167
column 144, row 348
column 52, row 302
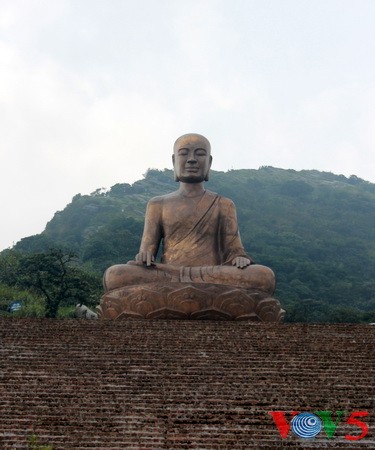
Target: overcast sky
column 93, row 93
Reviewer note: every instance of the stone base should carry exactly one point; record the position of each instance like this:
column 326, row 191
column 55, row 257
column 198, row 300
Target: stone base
column 189, row 301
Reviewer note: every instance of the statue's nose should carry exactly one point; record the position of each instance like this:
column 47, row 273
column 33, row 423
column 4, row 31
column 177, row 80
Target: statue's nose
column 192, row 160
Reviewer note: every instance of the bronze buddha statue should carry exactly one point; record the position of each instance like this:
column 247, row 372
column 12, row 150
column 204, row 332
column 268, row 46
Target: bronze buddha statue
column 201, row 248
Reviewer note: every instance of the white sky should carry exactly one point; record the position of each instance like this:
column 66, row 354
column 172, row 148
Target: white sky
column 94, row 92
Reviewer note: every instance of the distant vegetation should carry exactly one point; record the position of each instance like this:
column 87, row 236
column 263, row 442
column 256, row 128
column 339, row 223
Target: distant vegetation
column 314, row 229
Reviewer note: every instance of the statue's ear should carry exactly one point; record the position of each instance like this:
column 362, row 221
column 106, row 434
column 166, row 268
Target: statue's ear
column 208, row 171
column 174, row 167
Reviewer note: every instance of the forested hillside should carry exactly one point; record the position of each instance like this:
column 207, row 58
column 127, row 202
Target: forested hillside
column 315, row 230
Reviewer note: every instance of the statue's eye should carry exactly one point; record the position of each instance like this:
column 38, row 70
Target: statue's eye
column 201, row 152
column 183, row 152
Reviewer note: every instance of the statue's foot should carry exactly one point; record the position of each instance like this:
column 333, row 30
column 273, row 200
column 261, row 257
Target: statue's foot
column 255, row 276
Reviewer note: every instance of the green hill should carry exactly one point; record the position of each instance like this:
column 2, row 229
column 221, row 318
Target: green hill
column 316, row 230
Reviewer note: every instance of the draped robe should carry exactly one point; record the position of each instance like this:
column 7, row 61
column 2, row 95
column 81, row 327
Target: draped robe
column 193, row 233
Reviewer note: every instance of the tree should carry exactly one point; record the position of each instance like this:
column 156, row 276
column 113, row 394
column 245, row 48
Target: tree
column 56, row 277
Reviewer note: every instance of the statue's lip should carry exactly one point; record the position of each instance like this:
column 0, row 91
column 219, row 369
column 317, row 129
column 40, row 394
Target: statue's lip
column 192, row 169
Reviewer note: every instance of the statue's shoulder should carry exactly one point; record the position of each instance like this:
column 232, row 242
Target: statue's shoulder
column 223, row 201
column 212, row 194
column 160, row 199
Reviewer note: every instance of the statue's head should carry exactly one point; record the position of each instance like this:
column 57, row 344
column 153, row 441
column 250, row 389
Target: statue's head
column 191, row 158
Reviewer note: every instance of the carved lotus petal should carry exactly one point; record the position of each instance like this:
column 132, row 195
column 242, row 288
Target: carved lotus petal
column 99, row 311
column 189, row 299
column 111, row 313
column 110, row 306
column 211, row 314
column 167, row 313
column 251, row 317
column 125, row 315
column 235, row 302
column 269, row 310
column 143, row 301
column 280, row 316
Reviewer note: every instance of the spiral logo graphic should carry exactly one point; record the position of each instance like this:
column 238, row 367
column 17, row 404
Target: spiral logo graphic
column 306, row 425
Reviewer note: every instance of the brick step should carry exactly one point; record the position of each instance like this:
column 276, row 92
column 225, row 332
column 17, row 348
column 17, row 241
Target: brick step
column 178, row 384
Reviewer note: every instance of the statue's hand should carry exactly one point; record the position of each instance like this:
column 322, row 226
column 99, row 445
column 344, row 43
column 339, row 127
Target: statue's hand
column 240, row 262
column 145, row 258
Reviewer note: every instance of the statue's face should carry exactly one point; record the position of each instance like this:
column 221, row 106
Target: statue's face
column 192, row 159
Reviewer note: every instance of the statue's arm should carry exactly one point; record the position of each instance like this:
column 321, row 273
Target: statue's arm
column 152, row 233
column 233, row 250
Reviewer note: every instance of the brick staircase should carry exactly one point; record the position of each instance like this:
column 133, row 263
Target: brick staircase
column 179, row 384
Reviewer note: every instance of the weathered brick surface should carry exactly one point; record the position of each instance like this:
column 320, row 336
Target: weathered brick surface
column 178, row 384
